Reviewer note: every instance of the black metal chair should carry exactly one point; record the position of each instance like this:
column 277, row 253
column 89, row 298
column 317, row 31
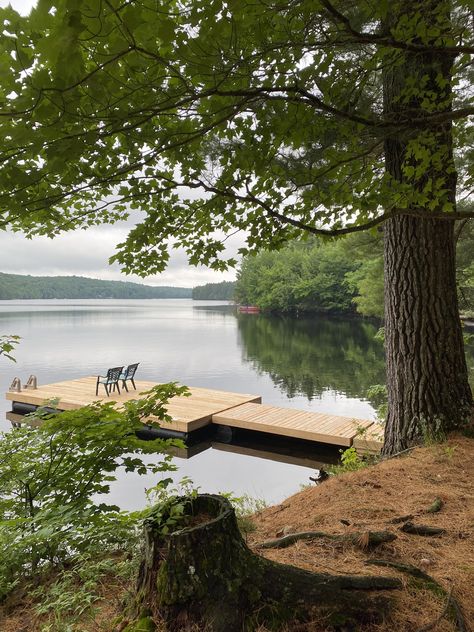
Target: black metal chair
column 129, row 374
column 110, row 381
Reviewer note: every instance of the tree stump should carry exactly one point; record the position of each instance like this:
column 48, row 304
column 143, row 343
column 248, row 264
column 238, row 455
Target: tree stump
column 202, row 573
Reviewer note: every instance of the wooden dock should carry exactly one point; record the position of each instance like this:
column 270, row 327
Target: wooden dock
column 298, row 424
column 206, row 406
column 188, row 413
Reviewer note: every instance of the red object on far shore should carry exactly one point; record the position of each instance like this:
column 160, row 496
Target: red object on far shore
column 249, row 309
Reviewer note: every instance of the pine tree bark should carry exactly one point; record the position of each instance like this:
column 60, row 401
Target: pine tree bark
column 205, row 577
column 427, row 378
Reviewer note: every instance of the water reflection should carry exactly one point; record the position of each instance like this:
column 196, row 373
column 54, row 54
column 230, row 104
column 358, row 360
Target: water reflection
column 469, row 347
column 308, row 356
column 322, row 366
column 261, row 466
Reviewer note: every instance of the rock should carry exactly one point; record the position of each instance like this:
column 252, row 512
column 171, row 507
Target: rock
column 286, row 530
column 425, row 562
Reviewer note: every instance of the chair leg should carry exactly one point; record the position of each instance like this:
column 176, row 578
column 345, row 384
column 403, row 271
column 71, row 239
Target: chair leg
column 134, row 384
column 118, row 387
column 106, row 390
column 124, row 385
column 97, row 388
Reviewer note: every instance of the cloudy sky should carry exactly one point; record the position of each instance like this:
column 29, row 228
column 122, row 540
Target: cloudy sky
column 86, row 252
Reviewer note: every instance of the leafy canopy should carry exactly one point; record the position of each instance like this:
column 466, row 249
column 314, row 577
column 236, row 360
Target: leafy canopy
column 206, row 118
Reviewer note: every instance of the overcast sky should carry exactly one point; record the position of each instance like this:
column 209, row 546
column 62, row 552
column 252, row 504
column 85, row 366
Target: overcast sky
column 86, row 253
column 22, row 6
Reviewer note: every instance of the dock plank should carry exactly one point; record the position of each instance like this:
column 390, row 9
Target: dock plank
column 370, row 441
column 305, row 425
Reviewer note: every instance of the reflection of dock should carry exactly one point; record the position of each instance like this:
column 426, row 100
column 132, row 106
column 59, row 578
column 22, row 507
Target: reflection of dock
column 271, row 453
column 188, row 451
column 293, row 453
column 207, row 407
column 15, row 419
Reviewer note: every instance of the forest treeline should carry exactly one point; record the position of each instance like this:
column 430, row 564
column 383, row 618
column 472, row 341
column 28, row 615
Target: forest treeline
column 18, row 286
column 342, row 275
column 223, row 291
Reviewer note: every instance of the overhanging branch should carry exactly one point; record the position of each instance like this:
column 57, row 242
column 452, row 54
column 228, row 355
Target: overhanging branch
column 384, row 40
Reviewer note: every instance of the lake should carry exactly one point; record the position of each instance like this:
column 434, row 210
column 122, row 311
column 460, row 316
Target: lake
column 312, row 363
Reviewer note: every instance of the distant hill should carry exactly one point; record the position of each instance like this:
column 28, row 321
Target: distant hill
column 19, row 286
column 223, row 291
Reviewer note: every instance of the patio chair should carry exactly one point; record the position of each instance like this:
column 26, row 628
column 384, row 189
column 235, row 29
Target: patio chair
column 129, row 374
column 109, row 381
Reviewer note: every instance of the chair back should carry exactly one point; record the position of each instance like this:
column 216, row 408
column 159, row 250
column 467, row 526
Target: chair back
column 113, row 375
column 130, row 371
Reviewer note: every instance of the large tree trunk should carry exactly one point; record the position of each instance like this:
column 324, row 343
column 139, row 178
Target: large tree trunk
column 428, row 390
column 427, row 379
column 203, row 576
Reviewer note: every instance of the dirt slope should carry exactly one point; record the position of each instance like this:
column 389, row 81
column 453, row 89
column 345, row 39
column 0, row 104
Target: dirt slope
column 369, row 499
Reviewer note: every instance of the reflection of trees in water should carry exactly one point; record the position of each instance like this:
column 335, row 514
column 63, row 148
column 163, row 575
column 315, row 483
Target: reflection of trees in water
column 469, row 347
column 311, row 355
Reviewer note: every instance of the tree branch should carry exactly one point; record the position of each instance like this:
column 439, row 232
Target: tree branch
column 383, row 40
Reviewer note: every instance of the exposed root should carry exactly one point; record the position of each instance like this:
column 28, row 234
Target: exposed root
column 362, row 539
column 421, row 529
column 453, row 609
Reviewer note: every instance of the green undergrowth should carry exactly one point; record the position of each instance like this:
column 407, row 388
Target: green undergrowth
column 351, row 461
column 55, row 522
column 68, row 597
column 168, row 505
column 75, row 594
column 245, row 507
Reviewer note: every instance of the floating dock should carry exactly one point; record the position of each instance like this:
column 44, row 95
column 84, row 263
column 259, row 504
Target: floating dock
column 188, row 413
column 297, row 424
column 207, row 407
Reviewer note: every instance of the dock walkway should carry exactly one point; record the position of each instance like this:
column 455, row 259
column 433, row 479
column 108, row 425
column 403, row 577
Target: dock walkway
column 207, row 406
column 298, row 424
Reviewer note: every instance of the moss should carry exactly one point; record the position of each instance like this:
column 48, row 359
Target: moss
column 421, row 583
column 162, row 581
column 253, row 593
column 144, row 624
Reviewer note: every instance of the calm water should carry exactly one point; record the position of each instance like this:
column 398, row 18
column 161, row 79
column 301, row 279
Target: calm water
column 313, row 364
